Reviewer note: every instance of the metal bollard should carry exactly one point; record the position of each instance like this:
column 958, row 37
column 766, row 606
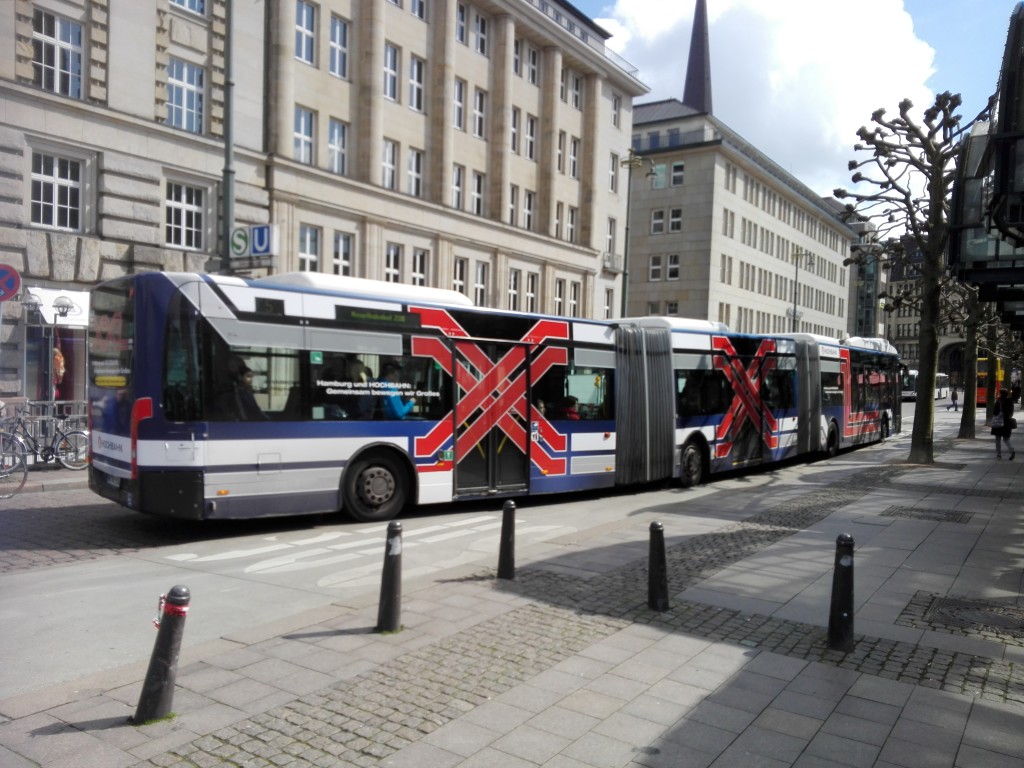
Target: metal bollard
column 840, row 615
column 390, row 610
column 507, row 548
column 657, row 574
column 158, row 689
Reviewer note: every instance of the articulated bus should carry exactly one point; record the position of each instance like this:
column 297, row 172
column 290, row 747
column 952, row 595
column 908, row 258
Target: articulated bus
column 223, row 397
column 909, row 385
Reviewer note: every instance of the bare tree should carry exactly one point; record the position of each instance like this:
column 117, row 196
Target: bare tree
column 905, row 191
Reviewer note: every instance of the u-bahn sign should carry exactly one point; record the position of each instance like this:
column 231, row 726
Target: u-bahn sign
column 10, row 282
column 254, row 241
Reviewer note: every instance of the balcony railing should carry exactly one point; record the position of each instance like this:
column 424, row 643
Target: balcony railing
column 611, row 262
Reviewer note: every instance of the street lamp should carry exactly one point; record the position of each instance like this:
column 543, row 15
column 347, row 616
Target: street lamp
column 809, row 263
column 630, row 161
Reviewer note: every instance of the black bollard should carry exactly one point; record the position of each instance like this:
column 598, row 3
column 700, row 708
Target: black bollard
column 657, row 575
column 389, row 612
column 158, row 689
column 507, row 548
column 840, row 615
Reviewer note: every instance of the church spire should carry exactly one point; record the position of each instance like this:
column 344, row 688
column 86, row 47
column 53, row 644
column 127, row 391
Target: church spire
column 697, row 90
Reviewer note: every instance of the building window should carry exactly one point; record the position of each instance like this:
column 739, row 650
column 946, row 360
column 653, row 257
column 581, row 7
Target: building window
column 56, row 191
column 672, row 308
column 337, row 146
column 417, row 73
column 514, row 278
column 609, row 303
column 389, row 165
column 479, row 112
column 305, row 31
column 342, row 254
column 390, row 72
column 613, row 173
column 185, row 216
column 415, row 172
column 559, row 296
column 476, row 194
column 480, row 284
column 480, row 35
column 513, row 204
column 196, row 6
column 531, row 137
column 657, row 222
column 560, row 152
column 675, row 220
column 677, row 173
column 532, row 293
column 393, row 263
column 575, row 289
column 612, row 235
column 517, row 58
column 338, row 65
column 459, row 275
column 559, row 210
column 458, row 184
column 514, row 141
column 461, row 23
column 533, row 66
column 529, row 199
column 57, row 54
column 616, row 110
column 577, row 90
column 672, row 271
column 420, row 258
column 653, row 308
column 654, row 273
column 459, row 104
column 418, row 8
column 570, row 228
column 185, row 87
column 574, row 154
column 303, row 145
column 309, row 248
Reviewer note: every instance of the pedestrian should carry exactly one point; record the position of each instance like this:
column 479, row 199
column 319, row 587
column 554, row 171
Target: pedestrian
column 1002, row 423
column 952, row 398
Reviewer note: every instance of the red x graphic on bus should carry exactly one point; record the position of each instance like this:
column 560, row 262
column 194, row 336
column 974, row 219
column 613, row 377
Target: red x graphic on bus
column 747, row 402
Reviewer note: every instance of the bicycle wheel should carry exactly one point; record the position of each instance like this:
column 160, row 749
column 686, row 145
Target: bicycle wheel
column 13, row 471
column 72, row 450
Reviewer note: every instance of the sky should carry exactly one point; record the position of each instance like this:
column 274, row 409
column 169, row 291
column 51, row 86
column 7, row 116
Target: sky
column 797, row 78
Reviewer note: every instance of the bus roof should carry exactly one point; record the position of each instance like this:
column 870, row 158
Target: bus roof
column 364, row 287
column 878, row 345
column 676, row 324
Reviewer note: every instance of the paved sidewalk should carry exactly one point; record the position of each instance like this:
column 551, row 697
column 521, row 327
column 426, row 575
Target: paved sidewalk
column 566, row 666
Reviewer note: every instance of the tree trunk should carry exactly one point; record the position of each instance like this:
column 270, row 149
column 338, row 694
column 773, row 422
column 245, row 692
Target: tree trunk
column 969, row 390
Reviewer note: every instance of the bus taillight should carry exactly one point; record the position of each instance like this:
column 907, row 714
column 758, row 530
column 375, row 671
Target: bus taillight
column 141, row 409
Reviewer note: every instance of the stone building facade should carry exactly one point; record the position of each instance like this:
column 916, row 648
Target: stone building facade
column 433, row 142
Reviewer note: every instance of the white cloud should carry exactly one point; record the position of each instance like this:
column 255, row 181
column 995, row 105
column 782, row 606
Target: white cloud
column 796, row 78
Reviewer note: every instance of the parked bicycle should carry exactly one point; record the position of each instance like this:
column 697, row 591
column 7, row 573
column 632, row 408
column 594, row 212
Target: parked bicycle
column 70, row 447
column 13, row 471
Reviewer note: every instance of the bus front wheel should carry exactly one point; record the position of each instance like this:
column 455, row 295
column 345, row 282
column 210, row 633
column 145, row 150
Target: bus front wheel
column 691, row 465
column 374, row 489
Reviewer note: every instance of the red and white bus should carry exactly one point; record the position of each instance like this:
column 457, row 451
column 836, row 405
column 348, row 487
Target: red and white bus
column 222, row 397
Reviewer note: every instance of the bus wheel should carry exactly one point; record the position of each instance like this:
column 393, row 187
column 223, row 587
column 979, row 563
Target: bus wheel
column 832, row 441
column 374, row 489
column 691, row 469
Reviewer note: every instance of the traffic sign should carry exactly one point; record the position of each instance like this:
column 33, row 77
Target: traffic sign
column 10, row 282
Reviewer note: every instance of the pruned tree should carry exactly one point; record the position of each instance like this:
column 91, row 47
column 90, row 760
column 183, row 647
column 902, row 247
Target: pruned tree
column 904, row 188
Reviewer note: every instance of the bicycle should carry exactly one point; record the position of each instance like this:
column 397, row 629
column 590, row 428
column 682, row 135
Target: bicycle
column 13, row 471
column 70, row 447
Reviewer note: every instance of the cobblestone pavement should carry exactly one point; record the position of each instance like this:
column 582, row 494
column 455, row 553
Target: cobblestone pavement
column 364, row 720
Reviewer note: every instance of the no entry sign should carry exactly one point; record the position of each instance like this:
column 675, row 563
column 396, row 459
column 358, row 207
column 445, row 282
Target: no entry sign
column 10, row 282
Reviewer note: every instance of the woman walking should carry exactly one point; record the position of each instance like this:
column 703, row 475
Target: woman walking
column 1003, row 423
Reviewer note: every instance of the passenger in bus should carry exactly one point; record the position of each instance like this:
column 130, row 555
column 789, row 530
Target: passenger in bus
column 240, row 403
column 568, row 409
column 394, row 405
column 362, row 401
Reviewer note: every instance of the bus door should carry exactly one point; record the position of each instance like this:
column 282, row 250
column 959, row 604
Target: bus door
column 747, row 427
column 492, row 436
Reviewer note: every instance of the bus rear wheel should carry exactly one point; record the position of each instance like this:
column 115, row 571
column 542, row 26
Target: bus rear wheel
column 832, row 441
column 374, row 489
column 691, row 465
